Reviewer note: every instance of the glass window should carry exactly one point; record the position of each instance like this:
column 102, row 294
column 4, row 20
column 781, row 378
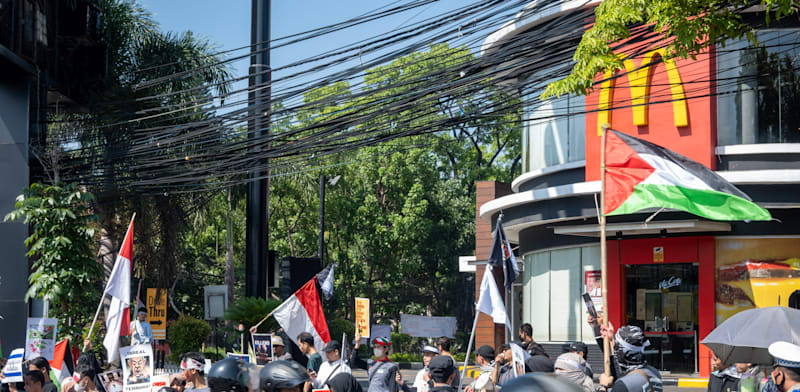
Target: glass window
column 759, row 89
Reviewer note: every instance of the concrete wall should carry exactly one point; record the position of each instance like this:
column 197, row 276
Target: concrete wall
column 14, row 125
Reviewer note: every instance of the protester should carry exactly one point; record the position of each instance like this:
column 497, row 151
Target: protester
column 538, row 383
column 442, row 373
column 284, row 376
column 443, row 343
column 192, row 369
column 720, row 380
column 570, row 367
column 277, row 349
column 503, row 367
column 34, row 381
column 786, row 375
column 333, row 366
column 344, row 382
column 305, row 341
column 233, row 375
column 636, row 375
column 422, row 381
column 41, row 364
column 484, row 358
column 382, row 373
column 528, row 344
column 177, row 382
column 141, row 332
column 84, row 378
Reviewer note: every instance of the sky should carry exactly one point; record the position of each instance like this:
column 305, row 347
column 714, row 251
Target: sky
column 226, row 23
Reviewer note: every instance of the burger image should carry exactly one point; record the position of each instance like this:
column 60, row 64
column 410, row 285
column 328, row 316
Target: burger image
column 755, row 283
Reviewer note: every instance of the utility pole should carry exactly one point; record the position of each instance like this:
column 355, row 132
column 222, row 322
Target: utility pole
column 257, row 230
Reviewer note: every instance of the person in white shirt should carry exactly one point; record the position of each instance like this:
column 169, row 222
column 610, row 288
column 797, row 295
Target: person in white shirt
column 422, row 381
column 333, row 366
column 484, row 358
column 141, row 332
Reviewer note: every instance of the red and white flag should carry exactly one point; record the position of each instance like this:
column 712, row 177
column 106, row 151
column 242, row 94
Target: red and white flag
column 118, row 317
column 302, row 312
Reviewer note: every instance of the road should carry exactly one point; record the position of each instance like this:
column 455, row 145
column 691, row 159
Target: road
column 408, row 377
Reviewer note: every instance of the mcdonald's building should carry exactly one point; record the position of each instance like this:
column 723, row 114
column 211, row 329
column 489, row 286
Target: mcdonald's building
column 734, row 108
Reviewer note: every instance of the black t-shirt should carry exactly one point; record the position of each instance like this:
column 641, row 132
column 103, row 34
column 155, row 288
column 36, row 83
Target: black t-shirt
column 636, row 382
column 49, row 387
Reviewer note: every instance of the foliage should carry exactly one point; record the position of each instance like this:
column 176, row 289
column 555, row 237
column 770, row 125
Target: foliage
column 690, row 25
column 402, row 357
column 98, row 334
column 339, row 327
column 60, row 246
column 250, row 310
column 186, row 334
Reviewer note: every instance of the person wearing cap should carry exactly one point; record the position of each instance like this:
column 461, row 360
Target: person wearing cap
column 141, row 331
column 422, row 380
column 786, row 375
column 333, row 366
column 628, row 356
column 278, row 349
column 443, row 343
column 504, row 368
column 193, row 371
column 582, row 349
column 382, row 373
column 442, row 373
column 484, row 358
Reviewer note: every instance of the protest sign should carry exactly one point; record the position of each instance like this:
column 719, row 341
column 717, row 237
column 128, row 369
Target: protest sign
column 591, row 282
column 518, row 357
column 383, row 331
column 427, row 326
column 362, row 317
column 243, row 357
column 40, row 339
column 137, row 367
column 112, row 380
column 262, row 344
column 157, row 312
column 159, row 382
column 12, row 372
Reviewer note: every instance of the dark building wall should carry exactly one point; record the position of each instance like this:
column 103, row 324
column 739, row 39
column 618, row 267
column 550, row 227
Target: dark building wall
column 14, row 125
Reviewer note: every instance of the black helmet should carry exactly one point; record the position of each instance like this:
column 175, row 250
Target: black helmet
column 282, row 374
column 232, row 375
column 538, row 383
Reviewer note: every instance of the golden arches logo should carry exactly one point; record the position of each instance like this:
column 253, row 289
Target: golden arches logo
column 638, row 78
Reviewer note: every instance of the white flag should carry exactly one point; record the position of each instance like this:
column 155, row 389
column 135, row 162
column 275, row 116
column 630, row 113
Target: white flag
column 490, row 301
column 119, row 289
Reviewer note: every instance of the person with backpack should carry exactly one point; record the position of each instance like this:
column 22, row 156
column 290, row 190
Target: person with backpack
column 332, row 366
column 381, row 371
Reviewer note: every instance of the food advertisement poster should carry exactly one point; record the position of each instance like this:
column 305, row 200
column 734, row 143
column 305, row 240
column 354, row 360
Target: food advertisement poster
column 756, row 272
column 40, row 338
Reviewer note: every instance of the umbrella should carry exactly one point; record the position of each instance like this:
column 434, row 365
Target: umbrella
column 746, row 336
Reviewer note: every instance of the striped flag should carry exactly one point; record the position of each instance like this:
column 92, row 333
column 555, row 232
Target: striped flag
column 642, row 175
column 118, row 317
column 302, row 312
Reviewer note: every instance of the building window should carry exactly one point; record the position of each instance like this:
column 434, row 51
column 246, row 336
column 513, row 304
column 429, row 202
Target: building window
column 554, row 131
column 553, row 283
column 759, row 89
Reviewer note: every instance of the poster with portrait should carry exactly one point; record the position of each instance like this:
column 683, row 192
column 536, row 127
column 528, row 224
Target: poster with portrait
column 593, row 286
column 262, row 344
column 756, row 273
column 137, row 367
column 112, row 380
column 40, row 338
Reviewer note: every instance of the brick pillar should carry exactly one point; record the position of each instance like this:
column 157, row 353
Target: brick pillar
column 487, row 332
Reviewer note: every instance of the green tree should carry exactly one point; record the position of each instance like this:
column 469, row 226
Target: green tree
column 690, row 26
column 61, row 245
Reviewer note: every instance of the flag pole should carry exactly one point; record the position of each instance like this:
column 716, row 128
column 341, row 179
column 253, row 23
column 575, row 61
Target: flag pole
column 488, row 270
column 604, row 250
column 100, row 305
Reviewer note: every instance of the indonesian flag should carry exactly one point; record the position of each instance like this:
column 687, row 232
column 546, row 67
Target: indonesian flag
column 118, row 318
column 62, row 364
column 302, row 312
column 641, row 175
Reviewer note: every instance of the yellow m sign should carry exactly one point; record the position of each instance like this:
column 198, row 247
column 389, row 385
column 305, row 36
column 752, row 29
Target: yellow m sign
column 639, row 80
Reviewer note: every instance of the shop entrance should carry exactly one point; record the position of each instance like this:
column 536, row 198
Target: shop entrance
column 662, row 299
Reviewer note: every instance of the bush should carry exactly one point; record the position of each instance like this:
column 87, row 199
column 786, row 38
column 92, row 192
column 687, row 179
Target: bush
column 186, row 334
column 250, row 310
column 402, row 343
column 398, row 357
column 339, row 327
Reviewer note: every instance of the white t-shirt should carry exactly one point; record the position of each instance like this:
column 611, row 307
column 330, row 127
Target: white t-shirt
column 329, row 369
column 419, row 381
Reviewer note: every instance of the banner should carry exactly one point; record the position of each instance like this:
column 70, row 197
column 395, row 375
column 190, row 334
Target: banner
column 112, row 380
column 158, row 382
column 427, row 326
column 594, row 287
column 382, row 331
column 243, row 357
column 157, row 312
column 40, row 339
column 137, row 367
column 262, row 343
column 13, row 370
column 362, row 317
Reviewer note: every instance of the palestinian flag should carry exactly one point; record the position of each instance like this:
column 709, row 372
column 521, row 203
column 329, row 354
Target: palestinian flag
column 642, row 175
column 62, row 365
